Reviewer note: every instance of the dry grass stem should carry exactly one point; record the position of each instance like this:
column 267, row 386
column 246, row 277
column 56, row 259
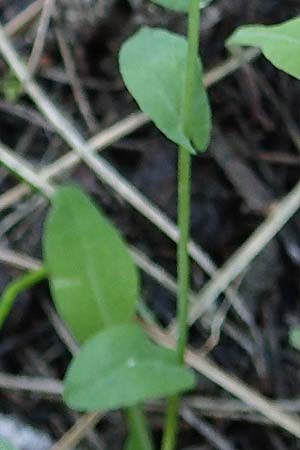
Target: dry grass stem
column 39, row 42
column 26, row 16
column 240, row 260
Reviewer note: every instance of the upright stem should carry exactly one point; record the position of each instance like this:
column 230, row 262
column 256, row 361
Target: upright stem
column 184, row 189
column 139, row 428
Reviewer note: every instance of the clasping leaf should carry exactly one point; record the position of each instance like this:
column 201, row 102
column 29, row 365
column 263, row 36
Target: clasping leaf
column 120, row 367
column 280, row 44
column 153, row 65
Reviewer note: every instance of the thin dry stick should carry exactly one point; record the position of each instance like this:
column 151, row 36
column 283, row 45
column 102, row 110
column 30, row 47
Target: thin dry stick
column 217, row 323
column 26, row 113
column 37, row 385
column 60, row 328
column 78, row 91
column 24, row 18
column 13, row 195
column 18, row 260
column 229, row 383
column 40, row 38
column 34, row 204
column 157, row 272
column 231, row 65
column 248, row 395
column 18, row 165
column 71, row 159
column 210, row 404
column 75, row 434
column 218, row 441
column 240, row 260
column 98, row 142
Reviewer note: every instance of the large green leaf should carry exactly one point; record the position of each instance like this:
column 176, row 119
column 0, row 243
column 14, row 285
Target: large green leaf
column 280, row 44
column 93, row 280
column 120, row 367
column 5, row 445
column 179, row 5
column 153, row 66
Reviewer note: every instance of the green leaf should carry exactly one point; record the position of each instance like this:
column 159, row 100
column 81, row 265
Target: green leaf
column 11, row 87
column 120, row 367
column 294, row 337
column 280, row 44
column 93, row 280
column 5, row 445
column 153, row 66
column 179, row 5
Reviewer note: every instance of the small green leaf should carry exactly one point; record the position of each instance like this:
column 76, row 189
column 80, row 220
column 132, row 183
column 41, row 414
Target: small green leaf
column 5, row 445
column 294, row 337
column 153, row 66
column 180, row 5
column 93, row 280
column 11, row 87
column 120, row 367
column 280, row 44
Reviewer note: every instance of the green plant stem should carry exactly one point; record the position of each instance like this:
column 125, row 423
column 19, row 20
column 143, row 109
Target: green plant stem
column 184, row 189
column 139, row 428
column 15, row 288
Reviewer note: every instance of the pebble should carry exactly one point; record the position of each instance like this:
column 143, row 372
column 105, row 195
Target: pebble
column 23, row 436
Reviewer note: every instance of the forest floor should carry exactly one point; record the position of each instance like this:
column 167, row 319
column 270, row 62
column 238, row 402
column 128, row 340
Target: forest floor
column 253, row 162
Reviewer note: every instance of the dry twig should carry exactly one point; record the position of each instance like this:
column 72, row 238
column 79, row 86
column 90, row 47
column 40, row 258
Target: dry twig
column 78, row 91
column 18, row 165
column 47, row 386
column 40, row 38
column 75, row 434
column 24, row 18
column 205, row 429
column 239, row 261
